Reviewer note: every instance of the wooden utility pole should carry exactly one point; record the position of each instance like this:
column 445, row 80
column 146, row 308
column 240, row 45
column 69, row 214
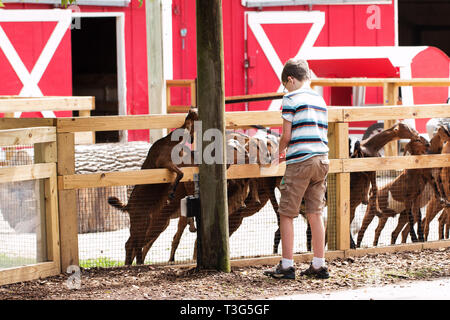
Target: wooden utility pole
column 213, row 250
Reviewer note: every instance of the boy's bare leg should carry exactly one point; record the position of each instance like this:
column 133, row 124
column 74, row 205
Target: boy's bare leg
column 318, row 234
column 287, row 236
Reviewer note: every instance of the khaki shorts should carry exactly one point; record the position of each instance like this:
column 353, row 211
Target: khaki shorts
column 308, row 180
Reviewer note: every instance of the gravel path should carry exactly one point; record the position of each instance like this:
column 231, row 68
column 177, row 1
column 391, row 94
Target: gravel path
column 172, row 283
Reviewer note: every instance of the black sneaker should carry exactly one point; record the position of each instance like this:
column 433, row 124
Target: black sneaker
column 279, row 273
column 321, row 273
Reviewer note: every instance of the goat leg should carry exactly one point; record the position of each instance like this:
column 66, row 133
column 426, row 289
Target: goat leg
column 308, row 237
column 368, row 217
column 277, row 236
column 182, row 223
column 381, row 223
column 419, row 226
column 411, row 226
column 172, row 167
column 402, row 220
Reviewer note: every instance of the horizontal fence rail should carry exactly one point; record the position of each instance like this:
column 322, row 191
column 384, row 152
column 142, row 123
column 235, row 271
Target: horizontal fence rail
column 240, row 171
column 387, row 83
column 12, row 104
column 245, row 119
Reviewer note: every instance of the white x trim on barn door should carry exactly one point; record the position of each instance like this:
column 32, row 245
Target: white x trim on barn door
column 31, row 80
column 255, row 19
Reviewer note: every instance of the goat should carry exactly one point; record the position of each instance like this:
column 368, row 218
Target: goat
column 146, row 202
column 237, row 191
column 256, row 191
column 360, row 182
column 404, row 195
column 440, row 143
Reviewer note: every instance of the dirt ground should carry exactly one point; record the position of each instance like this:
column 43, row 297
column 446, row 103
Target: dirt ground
column 178, row 283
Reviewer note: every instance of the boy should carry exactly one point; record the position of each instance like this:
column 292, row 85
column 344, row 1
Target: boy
column 305, row 126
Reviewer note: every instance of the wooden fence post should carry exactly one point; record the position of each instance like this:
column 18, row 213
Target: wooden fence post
column 390, row 97
column 213, row 251
column 67, row 202
column 43, row 153
column 338, row 223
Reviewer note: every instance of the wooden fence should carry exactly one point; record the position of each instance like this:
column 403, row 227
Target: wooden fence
column 57, row 157
column 84, row 105
column 43, row 169
column 390, row 94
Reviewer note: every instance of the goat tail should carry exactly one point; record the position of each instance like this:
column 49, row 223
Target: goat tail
column 116, row 203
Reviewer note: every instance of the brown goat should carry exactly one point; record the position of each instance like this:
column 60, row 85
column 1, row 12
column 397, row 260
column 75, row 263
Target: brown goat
column 148, row 202
column 404, row 195
column 237, row 190
column 360, row 181
column 440, row 144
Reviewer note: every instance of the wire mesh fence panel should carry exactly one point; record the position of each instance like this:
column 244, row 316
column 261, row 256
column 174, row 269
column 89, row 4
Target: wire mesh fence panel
column 22, row 224
column 17, row 155
column 392, row 216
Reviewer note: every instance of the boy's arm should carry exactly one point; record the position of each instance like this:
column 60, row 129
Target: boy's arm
column 285, row 136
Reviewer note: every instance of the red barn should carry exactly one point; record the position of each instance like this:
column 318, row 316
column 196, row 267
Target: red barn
column 101, row 49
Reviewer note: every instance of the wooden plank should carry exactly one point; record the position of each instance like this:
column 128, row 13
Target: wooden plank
column 395, row 112
column 254, row 97
column 29, row 272
column 233, row 120
column 179, row 83
column 15, row 123
column 396, row 163
column 178, row 109
column 114, row 123
column 122, row 178
column 379, row 82
column 153, row 176
column 390, row 97
column 46, row 104
column 44, row 153
column 67, row 202
column 27, row 172
column 12, row 137
column 343, row 211
column 52, row 220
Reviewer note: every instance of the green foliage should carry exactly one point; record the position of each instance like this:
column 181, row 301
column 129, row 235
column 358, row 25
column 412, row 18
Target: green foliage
column 14, row 261
column 1, row 4
column 100, row 262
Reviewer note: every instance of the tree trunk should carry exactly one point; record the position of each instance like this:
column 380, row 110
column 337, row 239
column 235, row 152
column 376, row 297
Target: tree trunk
column 213, row 249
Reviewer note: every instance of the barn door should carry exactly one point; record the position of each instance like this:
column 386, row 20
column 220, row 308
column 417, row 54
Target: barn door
column 272, row 38
column 35, row 55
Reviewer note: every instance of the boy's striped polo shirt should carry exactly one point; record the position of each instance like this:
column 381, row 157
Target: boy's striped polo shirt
column 307, row 112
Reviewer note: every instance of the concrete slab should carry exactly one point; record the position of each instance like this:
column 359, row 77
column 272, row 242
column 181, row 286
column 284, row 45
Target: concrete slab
column 417, row 290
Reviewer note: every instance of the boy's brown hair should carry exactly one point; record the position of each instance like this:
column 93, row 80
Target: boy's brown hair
column 296, row 68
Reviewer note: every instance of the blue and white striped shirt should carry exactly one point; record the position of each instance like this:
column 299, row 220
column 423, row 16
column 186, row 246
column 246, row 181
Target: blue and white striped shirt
column 307, row 111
